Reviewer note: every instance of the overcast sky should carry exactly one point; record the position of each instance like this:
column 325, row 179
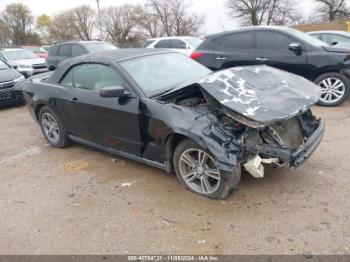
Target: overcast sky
column 214, row 10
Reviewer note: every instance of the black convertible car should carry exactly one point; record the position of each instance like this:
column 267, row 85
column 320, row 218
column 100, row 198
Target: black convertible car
column 166, row 110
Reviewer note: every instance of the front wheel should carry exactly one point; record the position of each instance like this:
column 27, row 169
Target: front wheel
column 197, row 171
column 335, row 88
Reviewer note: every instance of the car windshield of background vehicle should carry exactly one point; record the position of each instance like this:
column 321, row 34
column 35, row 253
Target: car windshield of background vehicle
column 3, row 65
column 20, row 54
column 307, row 38
column 157, row 73
column 148, row 42
column 99, row 47
column 194, row 41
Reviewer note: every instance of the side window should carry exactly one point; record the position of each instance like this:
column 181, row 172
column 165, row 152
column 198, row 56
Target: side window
column 68, row 79
column 92, row 77
column 244, row 40
column 163, row 44
column 64, row 50
column 178, row 44
column 77, row 50
column 331, row 38
column 273, row 40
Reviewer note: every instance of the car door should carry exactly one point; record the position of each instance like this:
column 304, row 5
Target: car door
column 272, row 48
column 235, row 49
column 64, row 52
column 110, row 122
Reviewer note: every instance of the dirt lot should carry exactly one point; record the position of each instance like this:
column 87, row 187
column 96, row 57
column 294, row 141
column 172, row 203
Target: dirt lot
column 81, row 201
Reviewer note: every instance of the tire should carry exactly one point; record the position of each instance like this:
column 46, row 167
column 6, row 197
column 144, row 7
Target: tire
column 333, row 85
column 48, row 119
column 193, row 178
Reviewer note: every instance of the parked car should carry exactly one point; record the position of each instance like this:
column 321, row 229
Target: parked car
column 39, row 51
column 183, row 44
column 63, row 51
column 333, row 37
column 168, row 111
column 284, row 48
column 25, row 61
column 9, row 78
column 46, row 48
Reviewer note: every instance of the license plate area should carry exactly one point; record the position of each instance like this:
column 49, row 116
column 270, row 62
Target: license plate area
column 5, row 95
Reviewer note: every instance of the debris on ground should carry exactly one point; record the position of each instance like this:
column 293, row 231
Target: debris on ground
column 74, row 166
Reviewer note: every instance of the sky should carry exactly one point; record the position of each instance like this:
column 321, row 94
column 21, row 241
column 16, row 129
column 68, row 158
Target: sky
column 214, row 10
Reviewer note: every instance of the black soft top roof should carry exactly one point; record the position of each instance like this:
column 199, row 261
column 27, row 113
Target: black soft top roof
column 105, row 57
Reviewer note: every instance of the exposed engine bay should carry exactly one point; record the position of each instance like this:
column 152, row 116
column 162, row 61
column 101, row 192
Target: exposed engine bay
column 268, row 144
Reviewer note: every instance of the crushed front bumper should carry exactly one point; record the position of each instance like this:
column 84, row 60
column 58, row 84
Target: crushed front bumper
column 296, row 157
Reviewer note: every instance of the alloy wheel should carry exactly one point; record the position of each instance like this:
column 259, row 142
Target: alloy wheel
column 199, row 172
column 332, row 90
column 50, row 127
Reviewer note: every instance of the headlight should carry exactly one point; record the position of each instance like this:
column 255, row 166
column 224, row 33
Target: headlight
column 24, row 66
column 19, row 79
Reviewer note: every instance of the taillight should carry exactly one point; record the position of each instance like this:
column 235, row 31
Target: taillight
column 196, row 55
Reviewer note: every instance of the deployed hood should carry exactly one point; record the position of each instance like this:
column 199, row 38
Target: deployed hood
column 339, row 48
column 261, row 93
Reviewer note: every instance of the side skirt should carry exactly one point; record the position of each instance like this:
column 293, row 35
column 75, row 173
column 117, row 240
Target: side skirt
column 118, row 152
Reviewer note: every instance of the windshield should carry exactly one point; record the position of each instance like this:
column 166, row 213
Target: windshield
column 194, row 41
column 307, row 38
column 3, row 65
column 20, row 54
column 99, row 47
column 157, row 73
column 148, row 42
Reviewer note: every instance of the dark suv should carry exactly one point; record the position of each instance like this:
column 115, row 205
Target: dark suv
column 284, row 48
column 63, row 51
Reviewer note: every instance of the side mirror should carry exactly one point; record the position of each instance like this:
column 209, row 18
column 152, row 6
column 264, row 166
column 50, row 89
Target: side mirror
column 295, row 47
column 114, row 91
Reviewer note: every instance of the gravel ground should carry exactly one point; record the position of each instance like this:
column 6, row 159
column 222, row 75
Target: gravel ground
column 82, row 201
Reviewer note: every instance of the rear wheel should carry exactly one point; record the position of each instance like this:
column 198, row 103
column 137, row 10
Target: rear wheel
column 335, row 89
column 197, row 171
column 52, row 128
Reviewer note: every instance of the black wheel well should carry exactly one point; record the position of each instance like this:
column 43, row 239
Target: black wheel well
column 172, row 142
column 37, row 110
column 325, row 72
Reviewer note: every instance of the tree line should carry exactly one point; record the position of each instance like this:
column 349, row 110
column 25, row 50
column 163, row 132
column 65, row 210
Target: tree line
column 124, row 25
column 129, row 25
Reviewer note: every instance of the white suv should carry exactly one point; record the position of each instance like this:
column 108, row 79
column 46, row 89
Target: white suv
column 25, row 61
column 183, row 44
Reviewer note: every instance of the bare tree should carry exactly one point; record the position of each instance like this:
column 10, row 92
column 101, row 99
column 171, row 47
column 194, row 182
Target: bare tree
column 262, row 12
column 5, row 35
column 18, row 19
column 118, row 23
column 148, row 22
column 174, row 18
column 83, row 21
column 331, row 10
column 60, row 28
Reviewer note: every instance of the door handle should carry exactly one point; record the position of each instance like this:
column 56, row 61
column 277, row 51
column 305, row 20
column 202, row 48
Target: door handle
column 221, row 58
column 261, row 59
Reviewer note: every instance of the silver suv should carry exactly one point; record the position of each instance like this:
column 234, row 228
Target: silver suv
column 25, row 61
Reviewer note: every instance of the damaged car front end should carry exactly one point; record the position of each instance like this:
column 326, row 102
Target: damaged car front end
column 263, row 112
